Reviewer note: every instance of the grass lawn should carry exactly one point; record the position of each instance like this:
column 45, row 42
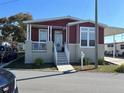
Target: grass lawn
column 19, row 64
column 101, row 68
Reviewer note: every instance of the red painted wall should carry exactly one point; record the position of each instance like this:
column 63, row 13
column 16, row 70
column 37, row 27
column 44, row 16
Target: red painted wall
column 35, row 34
column 73, row 33
column 61, row 22
column 72, row 30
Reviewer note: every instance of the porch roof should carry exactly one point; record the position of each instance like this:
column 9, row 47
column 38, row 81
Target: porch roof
column 108, row 29
column 50, row 19
column 113, row 31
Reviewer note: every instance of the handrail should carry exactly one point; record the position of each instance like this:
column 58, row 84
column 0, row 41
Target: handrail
column 67, row 53
column 40, row 44
column 55, row 54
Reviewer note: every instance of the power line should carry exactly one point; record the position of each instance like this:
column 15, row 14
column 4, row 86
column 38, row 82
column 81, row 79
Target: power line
column 8, row 2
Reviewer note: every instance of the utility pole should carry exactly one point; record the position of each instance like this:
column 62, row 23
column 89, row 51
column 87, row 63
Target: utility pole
column 96, row 33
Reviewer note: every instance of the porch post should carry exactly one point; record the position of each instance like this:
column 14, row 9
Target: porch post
column 30, row 33
column 66, row 34
column 27, row 31
column 49, row 33
column 114, row 46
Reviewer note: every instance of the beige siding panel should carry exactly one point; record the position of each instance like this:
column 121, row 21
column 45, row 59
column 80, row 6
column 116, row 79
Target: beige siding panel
column 75, row 52
column 47, row 55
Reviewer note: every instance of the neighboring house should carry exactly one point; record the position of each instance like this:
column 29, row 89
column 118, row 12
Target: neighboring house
column 119, row 48
column 48, row 37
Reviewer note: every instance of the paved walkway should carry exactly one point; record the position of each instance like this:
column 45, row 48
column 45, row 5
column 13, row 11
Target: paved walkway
column 117, row 61
column 66, row 68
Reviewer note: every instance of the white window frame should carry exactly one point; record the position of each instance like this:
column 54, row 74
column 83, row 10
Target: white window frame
column 47, row 30
column 40, row 30
column 88, row 38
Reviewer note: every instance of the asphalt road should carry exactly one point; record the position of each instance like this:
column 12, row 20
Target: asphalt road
column 80, row 82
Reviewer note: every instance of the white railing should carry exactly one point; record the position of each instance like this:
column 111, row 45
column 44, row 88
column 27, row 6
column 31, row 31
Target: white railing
column 55, row 54
column 67, row 53
column 39, row 46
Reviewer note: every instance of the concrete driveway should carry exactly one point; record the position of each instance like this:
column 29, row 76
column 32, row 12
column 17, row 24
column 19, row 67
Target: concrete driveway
column 117, row 61
column 80, row 82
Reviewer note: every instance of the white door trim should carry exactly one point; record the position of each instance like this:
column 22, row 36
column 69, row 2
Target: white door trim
column 61, row 39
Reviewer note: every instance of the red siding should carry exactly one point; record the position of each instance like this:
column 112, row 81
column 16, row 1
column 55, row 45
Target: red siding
column 35, row 34
column 72, row 34
column 61, row 22
column 87, row 24
column 101, row 35
column 101, row 31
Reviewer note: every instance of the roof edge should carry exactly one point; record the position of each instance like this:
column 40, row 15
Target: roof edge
column 83, row 21
column 50, row 19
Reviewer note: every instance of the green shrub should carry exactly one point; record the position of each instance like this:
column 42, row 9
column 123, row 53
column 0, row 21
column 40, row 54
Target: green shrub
column 86, row 61
column 38, row 61
column 101, row 61
column 120, row 69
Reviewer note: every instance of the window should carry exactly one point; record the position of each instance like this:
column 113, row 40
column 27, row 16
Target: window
column 91, row 39
column 87, row 36
column 84, row 39
column 43, row 37
column 122, row 46
column 110, row 45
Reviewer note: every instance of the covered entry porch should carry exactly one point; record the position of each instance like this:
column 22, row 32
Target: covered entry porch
column 50, row 44
column 40, row 35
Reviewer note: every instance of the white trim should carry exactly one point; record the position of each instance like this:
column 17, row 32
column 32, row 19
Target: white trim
column 88, row 37
column 39, row 34
column 50, row 19
column 51, row 33
column 84, row 21
column 30, row 33
column 87, row 46
column 48, row 33
column 38, row 49
column 81, row 46
column 61, row 37
column 73, row 44
column 66, row 34
column 27, row 32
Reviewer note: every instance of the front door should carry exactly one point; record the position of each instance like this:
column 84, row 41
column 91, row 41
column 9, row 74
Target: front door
column 58, row 40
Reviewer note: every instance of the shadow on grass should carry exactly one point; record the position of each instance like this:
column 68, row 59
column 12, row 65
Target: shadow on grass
column 19, row 64
column 88, row 69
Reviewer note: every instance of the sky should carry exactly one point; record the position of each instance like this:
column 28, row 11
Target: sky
column 111, row 12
